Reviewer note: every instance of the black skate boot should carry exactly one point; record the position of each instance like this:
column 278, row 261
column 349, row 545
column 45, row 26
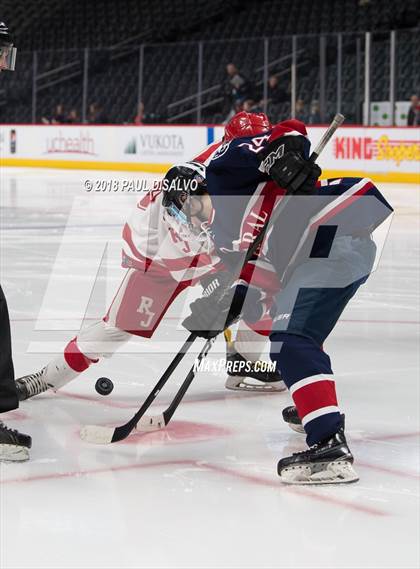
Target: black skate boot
column 267, row 381
column 327, row 462
column 14, row 446
column 291, row 417
column 30, row 385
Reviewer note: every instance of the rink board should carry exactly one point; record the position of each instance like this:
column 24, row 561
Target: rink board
column 385, row 154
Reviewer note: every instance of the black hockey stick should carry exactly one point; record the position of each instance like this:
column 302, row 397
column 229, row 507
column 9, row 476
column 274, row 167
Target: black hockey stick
column 105, row 435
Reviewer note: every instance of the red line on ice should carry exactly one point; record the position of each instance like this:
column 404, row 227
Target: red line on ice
column 395, row 436
column 295, row 490
column 387, row 470
column 221, row 470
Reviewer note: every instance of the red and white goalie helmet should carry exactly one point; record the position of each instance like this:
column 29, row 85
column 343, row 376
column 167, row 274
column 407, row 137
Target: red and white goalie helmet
column 247, row 124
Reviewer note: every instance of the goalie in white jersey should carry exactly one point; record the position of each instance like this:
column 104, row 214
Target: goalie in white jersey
column 163, row 258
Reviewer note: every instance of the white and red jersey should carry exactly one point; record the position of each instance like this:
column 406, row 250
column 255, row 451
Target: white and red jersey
column 164, row 257
column 151, row 236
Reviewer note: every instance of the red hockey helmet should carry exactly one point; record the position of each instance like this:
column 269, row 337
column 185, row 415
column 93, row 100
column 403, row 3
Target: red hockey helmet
column 247, row 124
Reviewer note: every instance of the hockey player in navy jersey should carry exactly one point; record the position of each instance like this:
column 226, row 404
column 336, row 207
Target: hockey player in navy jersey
column 322, row 250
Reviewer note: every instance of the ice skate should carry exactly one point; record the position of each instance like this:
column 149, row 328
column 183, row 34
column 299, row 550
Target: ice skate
column 327, row 462
column 32, row 384
column 14, row 446
column 291, row 417
column 254, row 379
column 53, row 376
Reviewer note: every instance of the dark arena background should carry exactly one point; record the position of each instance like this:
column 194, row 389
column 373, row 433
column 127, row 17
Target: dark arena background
column 99, row 101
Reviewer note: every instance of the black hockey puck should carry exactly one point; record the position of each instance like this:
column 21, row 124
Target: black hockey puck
column 104, row 386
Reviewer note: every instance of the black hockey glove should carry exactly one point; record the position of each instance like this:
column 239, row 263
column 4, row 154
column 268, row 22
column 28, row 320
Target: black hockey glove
column 283, row 160
column 216, row 310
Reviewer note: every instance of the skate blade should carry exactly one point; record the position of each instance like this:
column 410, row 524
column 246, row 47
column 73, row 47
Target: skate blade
column 297, row 428
column 338, row 472
column 13, row 453
column 238, row 383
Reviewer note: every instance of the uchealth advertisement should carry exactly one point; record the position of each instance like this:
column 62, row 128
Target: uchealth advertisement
column 385, row 154
column 122, row 147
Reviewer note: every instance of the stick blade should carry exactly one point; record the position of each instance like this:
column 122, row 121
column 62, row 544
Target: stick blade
column 97, row 435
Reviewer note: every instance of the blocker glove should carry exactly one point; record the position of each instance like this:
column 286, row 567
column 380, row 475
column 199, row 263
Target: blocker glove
column 221, row 305
column 284, row 161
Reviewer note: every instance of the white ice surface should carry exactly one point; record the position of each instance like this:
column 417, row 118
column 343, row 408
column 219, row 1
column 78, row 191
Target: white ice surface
column 204, row 493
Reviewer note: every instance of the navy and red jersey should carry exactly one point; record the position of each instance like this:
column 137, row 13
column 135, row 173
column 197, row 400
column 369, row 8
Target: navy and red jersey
column 243, row 197
column 234, row 181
